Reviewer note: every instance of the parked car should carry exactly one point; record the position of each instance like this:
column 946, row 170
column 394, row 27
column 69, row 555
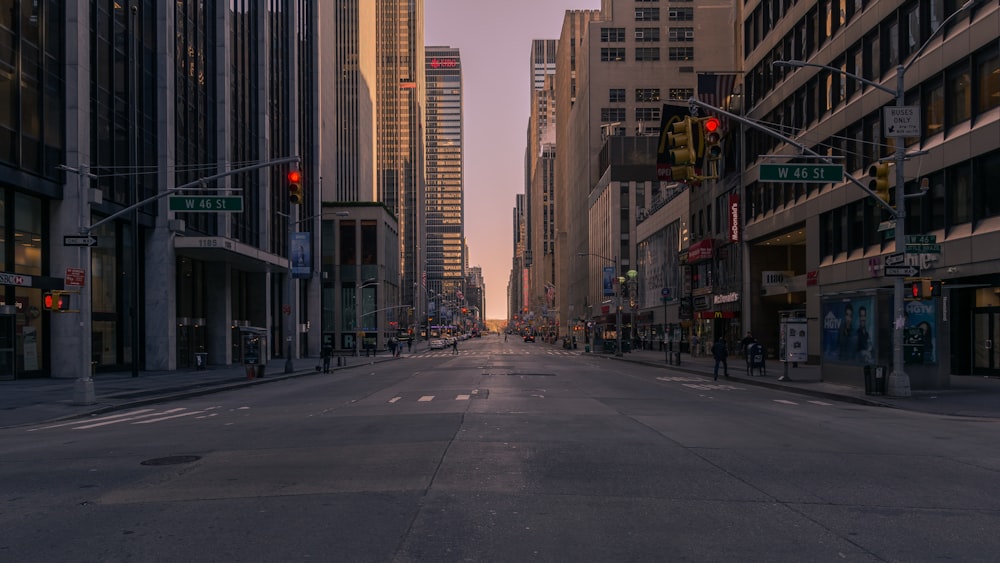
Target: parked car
column 437, row 344
column 529, row 337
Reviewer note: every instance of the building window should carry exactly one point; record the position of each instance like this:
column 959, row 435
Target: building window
column 616, row 95
column 680, row 14
column 933, row 105
column 612, row 115
column 612, row 34
column 647, row 94
column 987, row 67
column 683, row 34
column 959, row 94
column 609, row 54
column 647, row 14
column 680, row 94
column 647, row 54
column 647, row 34
column 681, row 53
column 647, row 114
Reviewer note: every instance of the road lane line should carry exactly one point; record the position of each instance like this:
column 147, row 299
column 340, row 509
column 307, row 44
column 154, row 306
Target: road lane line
column 130, row 413
column 425, row 398
column 462, row 397
column 821, row 403
column 394, row 399
column 147, row 415
column 784, row 402
column 152, row 420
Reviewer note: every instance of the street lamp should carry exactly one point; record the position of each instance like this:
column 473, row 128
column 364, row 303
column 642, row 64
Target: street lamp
column 618, row 300
column 899, row 381
column 633, row 300
column 357, row 313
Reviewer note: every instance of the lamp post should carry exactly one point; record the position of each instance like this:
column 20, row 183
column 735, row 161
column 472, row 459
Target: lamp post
column 357, row 313
column 899, row 381
column 618, row 299
column 633, row 301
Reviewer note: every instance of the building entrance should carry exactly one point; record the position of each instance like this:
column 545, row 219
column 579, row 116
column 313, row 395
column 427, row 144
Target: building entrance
column 8, row 338
column 985, row 336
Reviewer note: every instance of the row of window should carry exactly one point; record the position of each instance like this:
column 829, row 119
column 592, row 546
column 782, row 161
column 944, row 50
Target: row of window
column 641, row 95
column 647, row 34
column 612, row 115
column 617, row 54
column 961, row 93
column 673, row 14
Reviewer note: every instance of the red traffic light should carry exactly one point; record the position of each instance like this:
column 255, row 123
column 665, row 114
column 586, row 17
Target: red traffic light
column 915, row 290
column 48, row 300
column 295, row 187
column 295, row 176
column 712, row 124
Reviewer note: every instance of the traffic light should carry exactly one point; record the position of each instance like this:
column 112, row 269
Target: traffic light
column 295, row 187
column 924, row 289
column 713, row 137
column 685, row 143
column 936, row 288
column 55, row 301
column 915, row 290
column 879, row 183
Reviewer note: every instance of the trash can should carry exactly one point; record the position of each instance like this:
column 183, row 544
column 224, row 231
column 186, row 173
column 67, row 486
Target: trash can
column 201, row 360
column 586, row 348
column 880, row 379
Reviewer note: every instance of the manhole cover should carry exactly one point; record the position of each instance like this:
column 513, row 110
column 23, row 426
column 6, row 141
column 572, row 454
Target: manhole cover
column 171, row 460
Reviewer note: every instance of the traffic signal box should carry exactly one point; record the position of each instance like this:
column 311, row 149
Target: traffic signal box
column 56, row 301
column 685, row 143
column 924, row 289
column 295, row 187
column 712, row 132
column 879, row 183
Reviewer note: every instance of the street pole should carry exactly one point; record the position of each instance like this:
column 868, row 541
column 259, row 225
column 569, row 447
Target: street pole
column 618, row 310
column 289, row 289
column 898, row 384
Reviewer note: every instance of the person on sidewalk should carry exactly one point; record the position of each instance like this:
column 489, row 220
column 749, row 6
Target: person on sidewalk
column 326, row 353
column 746, row 342
column 719, row 352
column 454, row 347
column 694, row 345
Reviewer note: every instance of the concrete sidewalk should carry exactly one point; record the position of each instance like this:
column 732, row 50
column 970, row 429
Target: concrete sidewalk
column 969, row 395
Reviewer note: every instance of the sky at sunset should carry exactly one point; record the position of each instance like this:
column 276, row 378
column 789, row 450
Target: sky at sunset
column 494, row 37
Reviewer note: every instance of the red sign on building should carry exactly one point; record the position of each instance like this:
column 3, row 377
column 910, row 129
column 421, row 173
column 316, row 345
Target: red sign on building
column 76, row 276
column 701, row 250
column 734, row 217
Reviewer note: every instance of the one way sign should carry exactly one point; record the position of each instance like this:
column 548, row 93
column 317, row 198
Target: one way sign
column 79, row 241
column 906, row 271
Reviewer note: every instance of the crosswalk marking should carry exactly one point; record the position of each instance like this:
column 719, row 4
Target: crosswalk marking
column 821, row 403
column 784, row 402
column 394, row 399
column 152, row 420
column 109, row 417
column 711, row 387
column 425, row 398
column 462, row 397
column 108, row 422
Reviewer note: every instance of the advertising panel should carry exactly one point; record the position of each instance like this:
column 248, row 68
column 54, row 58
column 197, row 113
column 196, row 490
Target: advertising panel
column 301, row 255
column 848, row 332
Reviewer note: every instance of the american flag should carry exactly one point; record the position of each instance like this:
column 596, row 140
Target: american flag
column 714, row 89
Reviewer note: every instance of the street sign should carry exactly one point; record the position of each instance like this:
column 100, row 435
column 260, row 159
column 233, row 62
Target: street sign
column 666, row 294
column 901, row 121
column 15, row 279
column 75, row 276
column 896, row 259
column 79, row 241
column 811, row 173
column 905, row 271
column 206, row 203
column 921, row 239
column 923, row 249
column 887, row 225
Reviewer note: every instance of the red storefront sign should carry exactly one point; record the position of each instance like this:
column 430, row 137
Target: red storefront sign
column 701, row 250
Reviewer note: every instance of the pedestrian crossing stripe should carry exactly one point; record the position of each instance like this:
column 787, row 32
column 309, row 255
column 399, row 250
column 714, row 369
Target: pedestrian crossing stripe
column 429, row 398
column 136, row 416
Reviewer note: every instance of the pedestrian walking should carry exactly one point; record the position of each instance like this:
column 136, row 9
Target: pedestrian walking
column 694, row 345
column 454, row 347
column 746, row 342
column 325, row 353
column 409, row 345
column 720, row 352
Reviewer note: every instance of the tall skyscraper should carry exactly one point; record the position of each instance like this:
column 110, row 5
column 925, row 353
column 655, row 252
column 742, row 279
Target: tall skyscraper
column 400, row 145
column 444, row 177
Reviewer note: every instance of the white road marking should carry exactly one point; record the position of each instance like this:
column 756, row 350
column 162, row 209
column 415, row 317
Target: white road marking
column 711, row 387
column 821, row 403
column 784, row 402
column 106, row 423
column 425, row 398
column 394, row 399
column 462, row 397
column 152, row 420
column 111, row 417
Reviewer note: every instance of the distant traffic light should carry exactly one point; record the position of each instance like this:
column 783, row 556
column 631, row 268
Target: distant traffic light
column 295, row 187
column 879, row 182
column 685, row 143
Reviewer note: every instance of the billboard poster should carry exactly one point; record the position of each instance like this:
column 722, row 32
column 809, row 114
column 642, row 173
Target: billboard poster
column 919, row 332
column 609, row 280
column 301, row 255
column 849, row 335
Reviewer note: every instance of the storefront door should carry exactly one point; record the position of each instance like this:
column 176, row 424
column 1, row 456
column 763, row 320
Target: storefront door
column 985, row 336
column 7, row 341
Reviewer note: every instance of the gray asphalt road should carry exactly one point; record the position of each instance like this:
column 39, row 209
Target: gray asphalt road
column 506, row 452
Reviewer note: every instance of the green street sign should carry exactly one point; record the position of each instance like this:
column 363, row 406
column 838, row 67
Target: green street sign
column 923, row 249
column 811, row 173
column 921, row 239
column 206, row 203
